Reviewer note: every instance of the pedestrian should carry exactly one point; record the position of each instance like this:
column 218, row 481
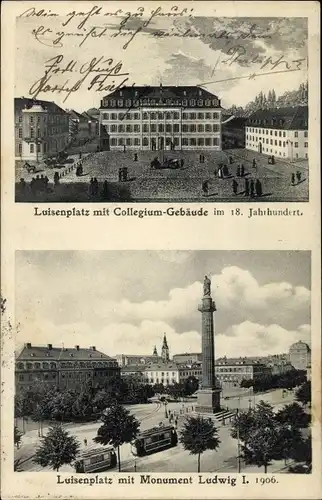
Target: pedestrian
column 298, row 176
column 225, row 171
column 254, row 163
column 235, row 187
column 252, row 189
column 205, row 188
column 85, row 442
column 56, row 178
column 215, row 172
column 80, row 155
column 220, row 173
column 246, row 187
column 105, row 189
column 293, row 179
column 95, row 186
column 135, row 157
column 238, row 171
column 230, row 160
column 258, row 188
column 91, row 186
column 22, row 184
column 242, row 170
column 181, row 162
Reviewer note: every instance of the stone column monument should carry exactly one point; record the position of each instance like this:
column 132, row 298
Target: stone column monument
column 209, row 394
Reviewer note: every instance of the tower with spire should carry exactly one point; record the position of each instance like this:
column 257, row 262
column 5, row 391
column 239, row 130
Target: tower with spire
column 165, row 350
column 155, row 352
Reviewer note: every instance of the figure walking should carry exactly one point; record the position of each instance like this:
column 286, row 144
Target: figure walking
column 293, row 179
column 258, row 188
column 252, row 189
column 205, row 188
column 235, row 187
column 246, row 187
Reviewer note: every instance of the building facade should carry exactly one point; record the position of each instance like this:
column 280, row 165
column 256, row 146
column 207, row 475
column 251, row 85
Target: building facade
column 160, row 118
column 64, row 368
column 300, row 355
column 41, row 129
column 161, row 373
column 187, row 358
column 282, row 132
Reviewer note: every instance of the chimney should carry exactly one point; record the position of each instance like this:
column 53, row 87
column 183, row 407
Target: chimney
column 77, row 347
column 28, row 345
column 93, row 348
column 50, row 346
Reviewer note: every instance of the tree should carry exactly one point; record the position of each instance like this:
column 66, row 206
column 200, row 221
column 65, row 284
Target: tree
column 198, row 435
column 258, row 432
column 303, row 394
column 17, row 437
column 57, row 448
column 191, row 385
column 23, row 408
column 119, row 427
column 246, row 383
column 294, row 415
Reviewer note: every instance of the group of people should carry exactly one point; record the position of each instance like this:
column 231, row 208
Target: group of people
column 38, row 183
column 298, row 177
column 93, row 186
column 251, row 187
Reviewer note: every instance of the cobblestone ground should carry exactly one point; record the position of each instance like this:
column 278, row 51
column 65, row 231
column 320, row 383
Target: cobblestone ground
column 169, row 185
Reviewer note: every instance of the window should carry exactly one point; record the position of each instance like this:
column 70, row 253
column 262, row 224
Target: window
column 215, row 128
column 201, row 116
column 296, row 144
column 192, row 141
column 275, row 142
column 128, row 141
column 145, row 141
column 120, row 141
column 113, row 128
column 280, row 134
column 168, row 127
column 296, row 134
column 137, row 141
column 192, row 128
column 113, row 141
column 136, row 128
column 192, row 102
column 192, row 116
column 283, row 144
column 208, row 141
column 145, row 116
column 275, row 133
column 121, row 116
column 305, row 134
column 306, row 144
column 20, row 148
column 32, row 132
column 113, row 116
column 38, row 148
column 32, row 148
column 161, row 127
column 153, row 116
column 145, row 127
column 176, row 127
column 200, row 128
column 200, row 102
column 184, row 141
column 208, row 116
column 120, row 103
column 176, row 141
column 271, row 132
column 215, row 116
column 136, row 116
column 129, row 128
column 176, row 115
column 271, row 142
column 160, row 116
column 185, row 116
column 208, row 128
column 280, row 143
column 153, row 127
column 106, row 116
column 31, row 119
column 215, row 141
column 20, row 133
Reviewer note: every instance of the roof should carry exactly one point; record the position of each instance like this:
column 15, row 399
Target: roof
column 161, row 366
column 89, row 117
column 161, row 92
column 132, row 368
column 24, row 102
column 155, row 430
column 301, row 345
column 59, row 353
column 281, row 118
column 74, row 114
column 188, row 354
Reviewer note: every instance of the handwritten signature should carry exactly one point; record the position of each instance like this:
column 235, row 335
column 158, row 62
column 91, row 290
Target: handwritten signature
column 103, row 68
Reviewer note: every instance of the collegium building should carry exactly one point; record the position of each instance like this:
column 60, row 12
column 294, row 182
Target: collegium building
column 158, row 118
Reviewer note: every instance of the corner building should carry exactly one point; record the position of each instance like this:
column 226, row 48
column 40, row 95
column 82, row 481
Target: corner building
column 161, row 118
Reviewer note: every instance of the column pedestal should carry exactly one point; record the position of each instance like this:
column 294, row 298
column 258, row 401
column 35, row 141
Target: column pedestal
column 208, row 401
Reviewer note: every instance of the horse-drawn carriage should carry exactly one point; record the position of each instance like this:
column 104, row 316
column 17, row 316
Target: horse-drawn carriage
column 31, row 169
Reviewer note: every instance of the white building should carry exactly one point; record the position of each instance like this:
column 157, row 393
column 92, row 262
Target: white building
column 282, row 132
column 161, row 373
column 158, row 118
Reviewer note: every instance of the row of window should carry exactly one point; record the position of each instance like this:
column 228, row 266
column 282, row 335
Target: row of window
column 190, row 373
column 275, row 142
column 274, row 121
column 153, row 102
column 167, row 374
column 43, row 118
column 168, row 128
column 166, row 381
column 278, row 133
column 153, row 115
column 185, row 141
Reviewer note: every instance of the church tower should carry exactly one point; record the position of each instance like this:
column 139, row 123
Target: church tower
column 165, row 350
column 155, row 352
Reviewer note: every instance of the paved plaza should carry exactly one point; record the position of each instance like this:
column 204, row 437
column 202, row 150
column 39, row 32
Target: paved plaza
column 171, row 460
column 184, row 184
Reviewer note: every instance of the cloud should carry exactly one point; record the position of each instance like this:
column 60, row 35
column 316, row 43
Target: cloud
column 253, row 339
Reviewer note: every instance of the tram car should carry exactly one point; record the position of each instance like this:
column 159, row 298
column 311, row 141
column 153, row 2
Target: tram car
column 153, row 440
column 96, row 460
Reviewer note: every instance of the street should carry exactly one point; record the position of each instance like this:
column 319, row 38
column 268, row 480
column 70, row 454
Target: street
column 171, row 460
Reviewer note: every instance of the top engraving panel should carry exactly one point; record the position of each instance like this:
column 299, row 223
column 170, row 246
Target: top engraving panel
column 159, row 105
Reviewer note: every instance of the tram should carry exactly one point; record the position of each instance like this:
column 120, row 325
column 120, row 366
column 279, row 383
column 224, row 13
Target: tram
column 153, row 440
column 96, row 460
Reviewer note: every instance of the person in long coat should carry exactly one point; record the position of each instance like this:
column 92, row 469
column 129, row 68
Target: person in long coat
column 252, row 189
column 235, row 187
column 246, row 187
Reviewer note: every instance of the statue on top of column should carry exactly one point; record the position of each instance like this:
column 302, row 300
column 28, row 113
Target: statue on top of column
column 206, row 287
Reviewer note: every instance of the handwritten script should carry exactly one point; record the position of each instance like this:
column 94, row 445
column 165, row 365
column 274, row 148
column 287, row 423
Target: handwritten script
column 98, row 74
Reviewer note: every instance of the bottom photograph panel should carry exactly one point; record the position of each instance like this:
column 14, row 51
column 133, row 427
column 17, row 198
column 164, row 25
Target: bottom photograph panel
column 163, row 361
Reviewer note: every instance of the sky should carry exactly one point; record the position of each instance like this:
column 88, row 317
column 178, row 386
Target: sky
column 172, row 60
column 124, row 301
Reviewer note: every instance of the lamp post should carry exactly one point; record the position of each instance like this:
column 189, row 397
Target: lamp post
column 165, row 408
